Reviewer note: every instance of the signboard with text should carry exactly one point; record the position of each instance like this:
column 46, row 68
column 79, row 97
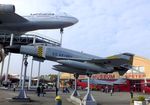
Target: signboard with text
column 99, row 76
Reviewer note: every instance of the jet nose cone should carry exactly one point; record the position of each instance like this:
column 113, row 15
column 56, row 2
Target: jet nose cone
column 74, row 20
column 71, row 20
column 60, row 61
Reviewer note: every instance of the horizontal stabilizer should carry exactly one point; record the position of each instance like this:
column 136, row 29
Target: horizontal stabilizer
column 5, row 18
column 116, row 60
column 128, row 57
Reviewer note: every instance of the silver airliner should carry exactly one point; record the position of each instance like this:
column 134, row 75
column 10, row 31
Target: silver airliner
column 10, row 22
column 75, row 62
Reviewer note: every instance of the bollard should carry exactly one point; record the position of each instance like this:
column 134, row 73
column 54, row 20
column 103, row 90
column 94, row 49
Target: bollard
column 58, row 100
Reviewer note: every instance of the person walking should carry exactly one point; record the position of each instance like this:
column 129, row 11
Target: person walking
column 56, row 90
column 14, row 87
column 111, row 92
column 131, row 94
column 43, row 90
column 67, row 90
column 38, row 91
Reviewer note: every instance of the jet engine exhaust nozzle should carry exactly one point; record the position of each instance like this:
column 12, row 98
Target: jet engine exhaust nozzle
column 13, row 49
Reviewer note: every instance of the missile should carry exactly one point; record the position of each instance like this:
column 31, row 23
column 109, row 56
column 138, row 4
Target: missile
column 63, row 68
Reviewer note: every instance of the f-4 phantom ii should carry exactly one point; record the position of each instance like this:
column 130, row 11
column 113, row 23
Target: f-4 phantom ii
column 10, row 22
column 76, row 62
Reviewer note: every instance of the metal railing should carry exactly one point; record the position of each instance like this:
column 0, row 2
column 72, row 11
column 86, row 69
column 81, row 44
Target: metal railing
column 27, row 39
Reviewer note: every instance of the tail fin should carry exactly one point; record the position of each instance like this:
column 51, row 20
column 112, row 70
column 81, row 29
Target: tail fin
column 128, row 57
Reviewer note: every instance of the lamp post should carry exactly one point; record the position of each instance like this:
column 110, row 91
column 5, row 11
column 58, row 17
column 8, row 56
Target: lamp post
column 30, row 77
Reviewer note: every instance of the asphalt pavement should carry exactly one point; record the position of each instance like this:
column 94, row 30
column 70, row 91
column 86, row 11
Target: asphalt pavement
column 118, row 98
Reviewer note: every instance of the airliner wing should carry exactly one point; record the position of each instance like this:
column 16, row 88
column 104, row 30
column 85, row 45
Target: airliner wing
column 11, row 18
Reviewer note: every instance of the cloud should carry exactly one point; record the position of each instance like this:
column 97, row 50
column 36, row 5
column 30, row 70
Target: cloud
column 110, row 27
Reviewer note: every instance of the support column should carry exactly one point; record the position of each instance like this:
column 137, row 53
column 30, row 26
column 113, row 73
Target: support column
column 20, row 81
column 88, row 98
column 22, row 95
column 58, row 80
column 9, row 56
column 75, row 92
column 38, row 74
column 30, row 78
column 2, row 63
column 25, row 70
column 58, row 75
column 2, row 67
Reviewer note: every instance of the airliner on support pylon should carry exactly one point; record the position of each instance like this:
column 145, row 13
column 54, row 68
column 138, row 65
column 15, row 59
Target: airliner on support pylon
column 10, row 22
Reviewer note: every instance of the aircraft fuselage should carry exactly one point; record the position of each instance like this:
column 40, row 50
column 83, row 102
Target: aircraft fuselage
column 58, row 54
column 38, row 21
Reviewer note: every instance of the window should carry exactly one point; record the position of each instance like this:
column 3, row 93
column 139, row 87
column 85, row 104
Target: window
column 141, row 68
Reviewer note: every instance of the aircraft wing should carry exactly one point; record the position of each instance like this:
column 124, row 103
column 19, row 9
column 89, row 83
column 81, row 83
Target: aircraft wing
column 74, row 59
column 116, row 60
column 11, row 18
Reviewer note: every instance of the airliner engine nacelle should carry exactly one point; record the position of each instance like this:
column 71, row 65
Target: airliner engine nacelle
column 7, row 8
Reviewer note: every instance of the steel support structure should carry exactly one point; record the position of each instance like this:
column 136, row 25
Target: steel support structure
column 30, row 78
column 9, row 56
column 22, row 94
column 58, row 75
column 88, row 98
column 38, row 79
column 75, row 92
column 2, row 68
column 20, row 81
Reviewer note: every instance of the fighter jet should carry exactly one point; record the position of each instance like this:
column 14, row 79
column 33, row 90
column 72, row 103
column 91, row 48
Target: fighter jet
column 75, row 62
column 10, row 22
column 103, row 82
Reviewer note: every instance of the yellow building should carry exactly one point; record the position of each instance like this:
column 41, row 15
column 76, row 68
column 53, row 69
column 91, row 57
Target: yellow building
column 66, row 76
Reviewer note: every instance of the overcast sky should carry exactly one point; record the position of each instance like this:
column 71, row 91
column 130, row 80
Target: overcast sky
column 105, row 27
